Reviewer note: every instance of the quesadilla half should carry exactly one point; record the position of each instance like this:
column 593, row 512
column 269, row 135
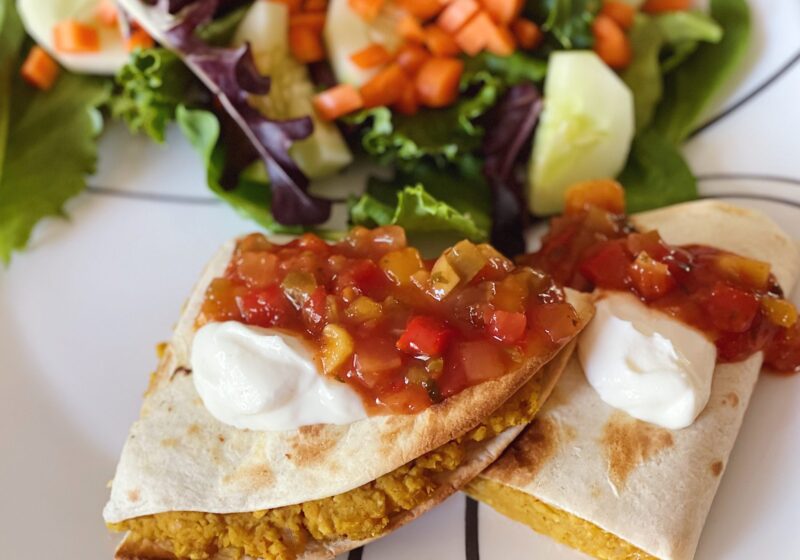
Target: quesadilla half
column 430, row 370
column 597, row 479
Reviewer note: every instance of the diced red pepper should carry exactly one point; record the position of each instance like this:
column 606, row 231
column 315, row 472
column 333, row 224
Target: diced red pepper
column 368, row 278
column 608, row 266
column 425, row 336
column 265, row 308
column 731, row 309
column 314, row 310
column 507, row 326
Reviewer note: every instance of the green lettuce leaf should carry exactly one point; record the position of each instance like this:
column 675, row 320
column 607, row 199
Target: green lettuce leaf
column 689, row 88
column 419, row 213
column 47, row 139
column 149, row 89
column 511, row 70
column 643, row 75
column 656, row 174
column 250, row 197
column 569, row 22
column 441, row 134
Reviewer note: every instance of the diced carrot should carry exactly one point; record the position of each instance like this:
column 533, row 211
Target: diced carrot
column 306, row 44
column 474, row 36
column 106, row 13
column 367, row 9
column 371, row 56
column 456, row 14
column 71, row 36
column 501, row 41
column 439, row 42
column 620, row 12
column 437, row 81
column 407, row 103
column 293, row 6
column 422, row 9
column 385, row 87
column 312, row 20
column 315, row 6
column 337, row 101
column 657, row 6
column 527, row 33
column 610, row 42
column 411, row 57
column 139, row 39
column 410, row 29
column 503, row 11
column 39, row 70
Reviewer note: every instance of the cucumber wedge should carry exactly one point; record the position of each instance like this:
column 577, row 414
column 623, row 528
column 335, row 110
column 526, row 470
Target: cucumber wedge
column 585, row 131
column 266, row 28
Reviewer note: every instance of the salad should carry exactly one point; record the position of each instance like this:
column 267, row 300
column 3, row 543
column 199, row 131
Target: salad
column 478, row 113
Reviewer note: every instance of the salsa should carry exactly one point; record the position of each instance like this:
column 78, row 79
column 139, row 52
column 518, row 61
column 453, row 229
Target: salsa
column 735, row 300
column 403, row 331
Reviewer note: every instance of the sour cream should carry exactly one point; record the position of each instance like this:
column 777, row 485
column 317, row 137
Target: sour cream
column 646, row 363
column 266, row 380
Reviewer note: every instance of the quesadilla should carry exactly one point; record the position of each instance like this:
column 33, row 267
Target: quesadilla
column 447, row 360
column 615, row 487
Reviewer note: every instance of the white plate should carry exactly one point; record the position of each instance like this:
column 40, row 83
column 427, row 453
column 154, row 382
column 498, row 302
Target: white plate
column 83, row 309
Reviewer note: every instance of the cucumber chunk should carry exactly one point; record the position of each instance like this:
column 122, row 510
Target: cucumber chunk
column 585, row 131
column 266, row 28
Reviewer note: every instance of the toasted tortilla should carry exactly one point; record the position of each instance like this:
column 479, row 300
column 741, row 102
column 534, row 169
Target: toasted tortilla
column 180, row 458
column 636, row 483
column 482, row 456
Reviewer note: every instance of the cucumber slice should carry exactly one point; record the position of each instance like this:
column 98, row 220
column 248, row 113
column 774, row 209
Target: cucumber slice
column 585, row 131
column 40, row 16
column 346, row 33
column 266, row 28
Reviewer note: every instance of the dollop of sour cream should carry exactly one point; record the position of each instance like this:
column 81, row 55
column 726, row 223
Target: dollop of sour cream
column 266, row 380
column 643, row 361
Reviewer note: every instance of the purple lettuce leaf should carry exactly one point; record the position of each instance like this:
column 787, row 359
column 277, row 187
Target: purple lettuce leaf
column 231, row 75
column 506, row 145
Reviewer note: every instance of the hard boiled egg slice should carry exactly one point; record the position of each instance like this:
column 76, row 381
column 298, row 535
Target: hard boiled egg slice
column 40, row 18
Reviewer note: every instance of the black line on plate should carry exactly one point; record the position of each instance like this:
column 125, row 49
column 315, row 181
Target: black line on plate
column 356, row 553
column 747, row 98
column 755, row 197
column 153, row 197
column 748, row 177
column 471, row 530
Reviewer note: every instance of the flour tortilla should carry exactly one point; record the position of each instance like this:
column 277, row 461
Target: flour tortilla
column 483, row 455
column 649, row 486
column 180, row 458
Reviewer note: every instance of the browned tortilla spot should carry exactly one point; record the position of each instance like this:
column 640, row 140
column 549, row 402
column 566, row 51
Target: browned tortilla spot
column 221, row 438
column 169, row 442
column 251, row 476
column 133, row 495
column 531, row 451
column 716, row 468
column 193, row 429
column 312, row 443
column 731, row 399
column 629, row 442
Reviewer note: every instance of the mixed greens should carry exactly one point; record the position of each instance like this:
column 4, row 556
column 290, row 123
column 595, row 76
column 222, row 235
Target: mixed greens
column 244, row 86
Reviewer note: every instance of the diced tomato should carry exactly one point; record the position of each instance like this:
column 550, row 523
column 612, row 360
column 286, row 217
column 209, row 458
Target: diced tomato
column 783, row 354
column 649, row 242
column 652, row 279
column 409, row 400
column 314, row 310
column 265, row 308
column 374, row 358
column 731, row 309
column 507, row 326
column 480, row 359
column 558, row 320
column 425, row 336
column 608, row 266
column 366, row 277
column 257, row 269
